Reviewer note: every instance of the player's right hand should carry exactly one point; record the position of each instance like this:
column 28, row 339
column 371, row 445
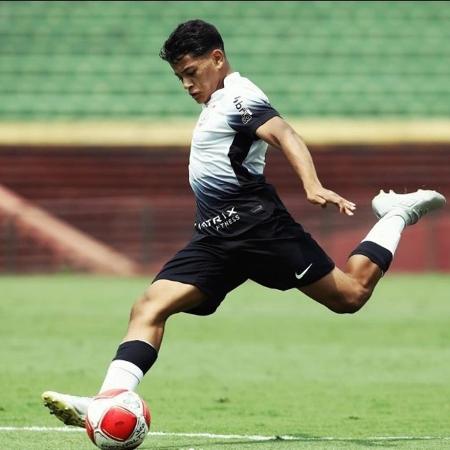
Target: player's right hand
column 321, row 196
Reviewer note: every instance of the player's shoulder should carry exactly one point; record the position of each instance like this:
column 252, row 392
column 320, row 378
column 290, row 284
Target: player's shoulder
column 245, row 105
column 239, row 86
column 243, row 97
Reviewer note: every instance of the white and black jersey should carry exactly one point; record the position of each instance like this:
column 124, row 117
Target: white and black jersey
column 243, row 229
column 227, row 160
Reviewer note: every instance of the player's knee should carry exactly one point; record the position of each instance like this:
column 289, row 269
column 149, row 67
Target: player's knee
column 151, row 309
column 352, row 302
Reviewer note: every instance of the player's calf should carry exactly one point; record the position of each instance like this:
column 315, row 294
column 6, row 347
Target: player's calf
column 139, row 349
column 340, row 292
column 350, row 302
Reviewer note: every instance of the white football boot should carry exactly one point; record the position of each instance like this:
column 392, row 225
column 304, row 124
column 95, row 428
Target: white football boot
column 70, row 409
column 411, row 207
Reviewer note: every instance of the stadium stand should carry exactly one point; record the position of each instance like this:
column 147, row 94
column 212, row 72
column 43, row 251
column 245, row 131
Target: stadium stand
column 91, row 59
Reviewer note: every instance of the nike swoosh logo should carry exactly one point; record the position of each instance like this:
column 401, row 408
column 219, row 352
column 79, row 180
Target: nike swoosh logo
column 299, row 277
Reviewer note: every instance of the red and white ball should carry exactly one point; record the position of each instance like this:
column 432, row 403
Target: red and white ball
column 117, row 419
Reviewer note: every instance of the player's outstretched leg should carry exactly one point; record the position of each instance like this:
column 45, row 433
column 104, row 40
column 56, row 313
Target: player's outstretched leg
column 347, row 291
column 139, row 349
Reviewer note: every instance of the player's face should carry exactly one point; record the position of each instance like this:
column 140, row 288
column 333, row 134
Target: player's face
column 201, row 76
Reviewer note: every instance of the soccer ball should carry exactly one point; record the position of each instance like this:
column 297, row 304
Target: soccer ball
column 117, row 419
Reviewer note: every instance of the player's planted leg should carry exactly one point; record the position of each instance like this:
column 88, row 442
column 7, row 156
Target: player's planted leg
column 139, row 349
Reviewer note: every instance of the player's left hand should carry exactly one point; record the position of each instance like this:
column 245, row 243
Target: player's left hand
column 321, row 196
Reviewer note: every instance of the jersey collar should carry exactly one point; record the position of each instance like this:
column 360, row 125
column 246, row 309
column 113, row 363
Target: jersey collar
column 231, row 78
column 227, row 81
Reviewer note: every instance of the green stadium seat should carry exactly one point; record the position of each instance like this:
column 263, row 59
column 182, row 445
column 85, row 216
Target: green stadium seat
column 82, row 59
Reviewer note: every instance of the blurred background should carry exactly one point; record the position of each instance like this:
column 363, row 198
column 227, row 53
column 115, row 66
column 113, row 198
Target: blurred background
column 95, row 128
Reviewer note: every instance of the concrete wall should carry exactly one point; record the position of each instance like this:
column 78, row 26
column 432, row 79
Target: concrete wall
column 138, row 199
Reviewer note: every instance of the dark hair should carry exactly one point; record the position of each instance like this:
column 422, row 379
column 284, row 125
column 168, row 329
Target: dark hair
column 194, row 37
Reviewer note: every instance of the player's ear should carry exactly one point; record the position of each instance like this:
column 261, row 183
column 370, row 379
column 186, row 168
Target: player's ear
column 218, row 57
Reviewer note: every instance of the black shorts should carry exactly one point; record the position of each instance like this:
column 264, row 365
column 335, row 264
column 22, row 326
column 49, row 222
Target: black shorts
column 278, row 254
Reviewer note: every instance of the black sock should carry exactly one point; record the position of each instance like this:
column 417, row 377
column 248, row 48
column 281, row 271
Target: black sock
column 376, row 253
column 139, row 353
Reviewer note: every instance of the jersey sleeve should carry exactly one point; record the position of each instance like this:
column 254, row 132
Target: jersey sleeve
column 248, row 112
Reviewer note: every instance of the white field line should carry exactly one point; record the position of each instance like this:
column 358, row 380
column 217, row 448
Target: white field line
column 248, row 437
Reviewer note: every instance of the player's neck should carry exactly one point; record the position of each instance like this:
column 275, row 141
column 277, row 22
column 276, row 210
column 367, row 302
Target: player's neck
column 225, row 72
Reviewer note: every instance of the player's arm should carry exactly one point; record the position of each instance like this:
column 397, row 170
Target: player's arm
column 281, row 135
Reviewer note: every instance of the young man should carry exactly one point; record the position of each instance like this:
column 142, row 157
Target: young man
column 242, row 230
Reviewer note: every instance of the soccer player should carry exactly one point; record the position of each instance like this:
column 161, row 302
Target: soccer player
column 242, row 230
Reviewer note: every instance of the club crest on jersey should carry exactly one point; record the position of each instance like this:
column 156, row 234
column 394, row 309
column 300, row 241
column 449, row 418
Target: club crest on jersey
column 246, row 114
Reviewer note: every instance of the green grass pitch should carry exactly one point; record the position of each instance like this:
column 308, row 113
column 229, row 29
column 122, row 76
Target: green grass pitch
column 267, row 363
